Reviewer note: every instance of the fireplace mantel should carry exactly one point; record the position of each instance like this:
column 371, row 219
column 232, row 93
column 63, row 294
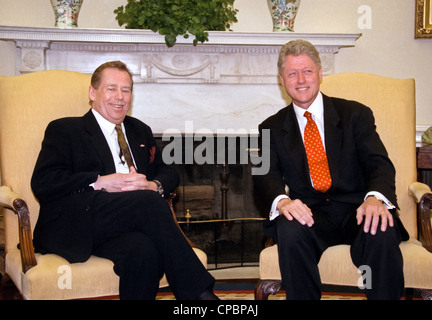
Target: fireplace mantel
column 229, row 82
column 146, row 36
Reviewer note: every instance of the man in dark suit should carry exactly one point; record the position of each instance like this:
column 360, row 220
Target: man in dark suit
column 94, row 203
column 357, row 206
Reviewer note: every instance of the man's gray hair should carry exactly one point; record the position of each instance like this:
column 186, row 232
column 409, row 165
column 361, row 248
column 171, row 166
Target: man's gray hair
column 296, row 48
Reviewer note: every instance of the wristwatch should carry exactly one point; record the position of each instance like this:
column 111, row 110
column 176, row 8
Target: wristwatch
column 159, row 187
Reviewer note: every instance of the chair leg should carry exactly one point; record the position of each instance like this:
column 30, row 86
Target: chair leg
column 264, row 288
column 409, row 293
column 8, row 291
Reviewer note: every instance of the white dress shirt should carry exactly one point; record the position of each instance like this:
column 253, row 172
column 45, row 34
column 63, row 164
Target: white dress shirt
column 110, row 134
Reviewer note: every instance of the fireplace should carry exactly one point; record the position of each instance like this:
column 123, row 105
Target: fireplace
column 215, row 203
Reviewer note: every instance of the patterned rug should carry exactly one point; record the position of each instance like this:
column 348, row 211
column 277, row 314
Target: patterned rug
column 249, row 295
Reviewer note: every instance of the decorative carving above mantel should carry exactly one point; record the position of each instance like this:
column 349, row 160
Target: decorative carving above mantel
column 228, row 82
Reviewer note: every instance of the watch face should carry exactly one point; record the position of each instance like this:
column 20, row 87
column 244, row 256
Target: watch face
column 159, row 187
column 160, row 190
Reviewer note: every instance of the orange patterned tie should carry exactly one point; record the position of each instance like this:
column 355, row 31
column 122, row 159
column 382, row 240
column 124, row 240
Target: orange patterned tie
column 317, row 159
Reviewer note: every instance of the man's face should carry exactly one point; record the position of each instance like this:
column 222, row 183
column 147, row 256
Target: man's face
column 301, row 79
column 113, row 97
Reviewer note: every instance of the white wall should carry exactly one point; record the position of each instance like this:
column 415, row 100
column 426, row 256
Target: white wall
column 388, row 48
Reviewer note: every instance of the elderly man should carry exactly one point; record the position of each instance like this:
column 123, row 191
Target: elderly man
column 100, row 181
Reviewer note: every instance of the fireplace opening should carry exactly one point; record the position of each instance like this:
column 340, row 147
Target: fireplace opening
column 216, row 207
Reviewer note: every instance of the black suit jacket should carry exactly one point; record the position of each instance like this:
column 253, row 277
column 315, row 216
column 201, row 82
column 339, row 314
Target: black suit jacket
column 74, row 153
column 357, row 158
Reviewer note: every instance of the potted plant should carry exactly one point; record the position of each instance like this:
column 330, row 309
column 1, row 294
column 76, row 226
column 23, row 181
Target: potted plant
column 178, row 17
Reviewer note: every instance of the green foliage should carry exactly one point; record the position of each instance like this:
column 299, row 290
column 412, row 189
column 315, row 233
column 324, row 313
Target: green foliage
column 178, row 17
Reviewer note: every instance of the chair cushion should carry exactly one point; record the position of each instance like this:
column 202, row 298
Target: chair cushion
column 52, row 275
column 336, row 266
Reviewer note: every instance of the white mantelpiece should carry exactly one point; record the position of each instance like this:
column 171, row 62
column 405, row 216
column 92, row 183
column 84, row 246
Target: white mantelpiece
column 229, row 82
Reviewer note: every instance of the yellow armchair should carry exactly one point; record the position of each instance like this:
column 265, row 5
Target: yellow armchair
column 393, row 104
column 28, row 103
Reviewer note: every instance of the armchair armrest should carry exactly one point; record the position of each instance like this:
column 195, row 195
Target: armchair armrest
column 13, row 201
column 423, row 196
column 418, row 190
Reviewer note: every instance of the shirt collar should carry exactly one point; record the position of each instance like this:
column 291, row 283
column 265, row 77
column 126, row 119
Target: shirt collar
column 104, row 123
column 316, row 108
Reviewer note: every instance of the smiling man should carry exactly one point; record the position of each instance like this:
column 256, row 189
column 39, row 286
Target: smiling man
column 93, row 202
column 341, row 183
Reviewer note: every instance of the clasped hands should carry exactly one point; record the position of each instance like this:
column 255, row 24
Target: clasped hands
column 371, row 212
column 119, row 182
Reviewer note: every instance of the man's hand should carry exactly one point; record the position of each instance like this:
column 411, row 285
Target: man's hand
column 295, row 209
column 371, row 211
column 119, row 182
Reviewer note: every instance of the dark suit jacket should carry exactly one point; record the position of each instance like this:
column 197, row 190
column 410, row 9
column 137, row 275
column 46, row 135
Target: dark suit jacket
column 357, row 158
column 74, row 152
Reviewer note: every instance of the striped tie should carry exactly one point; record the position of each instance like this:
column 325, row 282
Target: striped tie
column 124, row 148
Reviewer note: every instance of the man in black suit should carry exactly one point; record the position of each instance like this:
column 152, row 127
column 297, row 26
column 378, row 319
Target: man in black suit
column 358, row 207
column 93, row 203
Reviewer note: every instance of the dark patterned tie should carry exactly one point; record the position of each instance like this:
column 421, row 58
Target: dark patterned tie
column 317, row 158
column 124, row 148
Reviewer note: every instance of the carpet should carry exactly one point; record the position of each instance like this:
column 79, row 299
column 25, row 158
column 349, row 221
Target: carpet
column 249, row 295
column 245, row 291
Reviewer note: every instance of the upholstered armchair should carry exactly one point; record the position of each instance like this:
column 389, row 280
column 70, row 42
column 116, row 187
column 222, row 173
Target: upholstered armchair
column 28, row 103
column 393, row 104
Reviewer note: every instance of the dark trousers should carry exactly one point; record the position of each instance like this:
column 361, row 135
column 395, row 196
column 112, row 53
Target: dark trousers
column 137, row 232
column 300, row 248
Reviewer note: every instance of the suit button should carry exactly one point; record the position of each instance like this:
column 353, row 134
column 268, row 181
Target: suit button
column 87, row 208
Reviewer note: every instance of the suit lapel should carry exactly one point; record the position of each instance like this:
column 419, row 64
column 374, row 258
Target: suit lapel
column 333, row 137
column 293, row 144
column 97, row 139
column 139, row 146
